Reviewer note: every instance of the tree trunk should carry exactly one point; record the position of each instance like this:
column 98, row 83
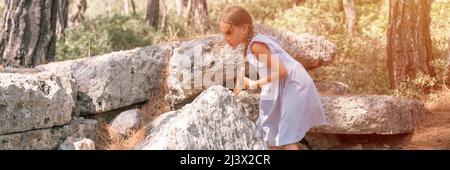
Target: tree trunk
column 198, row 15
column 341, row 5
column 181, row 6
column 125, row 7
column 63, row 9
column 78, row 16
column 448, row 50
column 448, row 61
column 153, row 13
column 409, row 40
column 164, row 13
column 28, row 36
column 195, row 12
column 133, row 7
column 351, row 18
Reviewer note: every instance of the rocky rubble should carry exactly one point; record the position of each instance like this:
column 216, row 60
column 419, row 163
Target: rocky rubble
column 213, row 121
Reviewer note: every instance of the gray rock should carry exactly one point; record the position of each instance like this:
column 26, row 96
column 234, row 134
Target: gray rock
column 50, row 138
column 384, row 115
column 332, row 88
column 199, row 64
column 44, row 139
column 72, row 143
column 80, row 127
column 33, row 101
column 320, row 141
column 115, row 80
column 250, row 100
column 312, row 51
column 214, row 121
column 126, row 121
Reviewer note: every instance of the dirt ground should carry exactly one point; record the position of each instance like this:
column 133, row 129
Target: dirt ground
column 432, row 133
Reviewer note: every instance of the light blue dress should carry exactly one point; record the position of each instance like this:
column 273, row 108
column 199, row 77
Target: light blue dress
column 289, row 108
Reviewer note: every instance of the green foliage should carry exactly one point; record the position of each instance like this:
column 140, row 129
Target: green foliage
column 175, row 27
column 106, row 34
column 312, row 17
column 361, row 61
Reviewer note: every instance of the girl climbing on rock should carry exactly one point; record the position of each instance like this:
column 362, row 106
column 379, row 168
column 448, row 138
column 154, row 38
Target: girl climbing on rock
column 289, row 104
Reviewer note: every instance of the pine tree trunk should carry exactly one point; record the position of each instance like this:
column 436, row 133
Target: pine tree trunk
column 125, row 7
column 448, row 50
column 351, row 18
column 409, row 40
column 448, row 61
column 341, row 5
column 28, row 35
column 164, row 14
column 195, row 12
column 62, row 23
column 181, row 6
column 80, row 9
column 133, row 6
column 198, row 15
column 153, row 13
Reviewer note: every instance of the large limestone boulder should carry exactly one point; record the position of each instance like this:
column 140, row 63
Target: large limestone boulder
column 250, row 100
column 332, row 88
column 383, row 115
column 115, row 80
column 33, row 101
column 199, row 64
column 312, row 51
column 213, row 121
column 49, row 138
column 43, row 139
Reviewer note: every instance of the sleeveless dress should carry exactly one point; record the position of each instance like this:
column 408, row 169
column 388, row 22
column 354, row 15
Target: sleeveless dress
column 289, row 107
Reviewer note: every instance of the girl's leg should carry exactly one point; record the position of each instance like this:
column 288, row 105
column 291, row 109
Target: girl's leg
column 273, row 147
column 291, row 147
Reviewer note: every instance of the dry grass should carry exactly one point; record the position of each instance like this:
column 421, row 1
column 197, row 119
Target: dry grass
column 156, row 104
column 110, row 140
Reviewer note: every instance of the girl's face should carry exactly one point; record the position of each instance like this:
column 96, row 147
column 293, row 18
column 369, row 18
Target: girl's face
column 234, row 35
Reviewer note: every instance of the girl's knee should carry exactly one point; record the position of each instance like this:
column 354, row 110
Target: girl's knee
column 270, row 147
column 293, row 146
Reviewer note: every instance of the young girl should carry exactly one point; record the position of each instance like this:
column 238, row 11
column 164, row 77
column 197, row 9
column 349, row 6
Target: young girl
column 295, row 106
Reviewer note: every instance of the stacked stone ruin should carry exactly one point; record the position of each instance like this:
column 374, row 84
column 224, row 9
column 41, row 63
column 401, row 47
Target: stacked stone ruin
column 47, row 107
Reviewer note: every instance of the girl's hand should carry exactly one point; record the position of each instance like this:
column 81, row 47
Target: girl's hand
column 250, row 84
column 237, row 91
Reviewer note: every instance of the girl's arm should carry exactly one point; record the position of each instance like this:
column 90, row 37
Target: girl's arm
column 278, row 71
